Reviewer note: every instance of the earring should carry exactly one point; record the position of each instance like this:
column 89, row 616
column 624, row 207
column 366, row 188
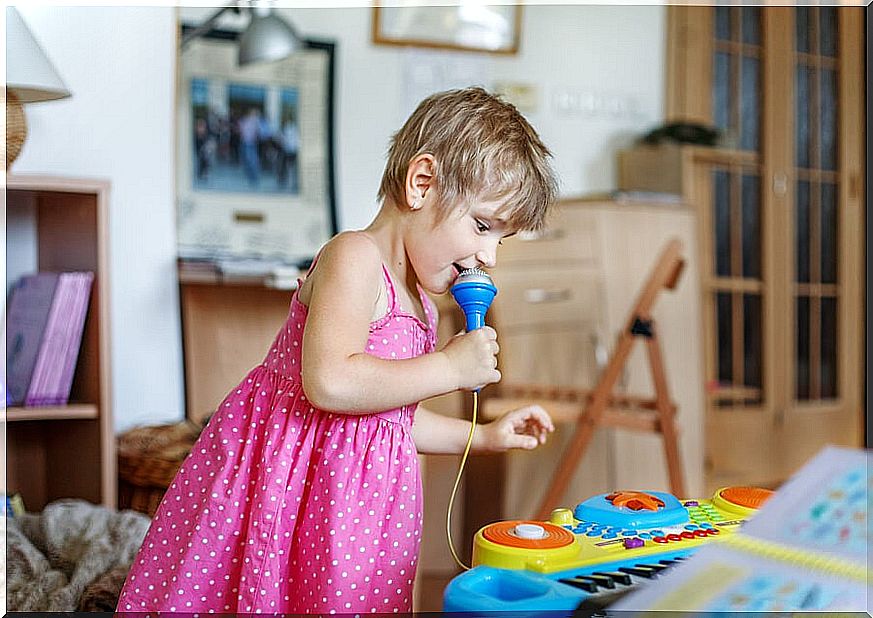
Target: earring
column 416, row 203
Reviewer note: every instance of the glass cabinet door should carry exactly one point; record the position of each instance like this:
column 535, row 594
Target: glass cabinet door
column 816, row 295
column 781, row 215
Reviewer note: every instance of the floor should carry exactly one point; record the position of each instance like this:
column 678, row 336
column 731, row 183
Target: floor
column 430, row 591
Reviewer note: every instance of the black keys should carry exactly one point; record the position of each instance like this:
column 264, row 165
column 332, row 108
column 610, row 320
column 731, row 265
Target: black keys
column 584, row 583
column 617, row 577
column 639, row 571
column 657, row 567
column 601, row 583
column 604, row 581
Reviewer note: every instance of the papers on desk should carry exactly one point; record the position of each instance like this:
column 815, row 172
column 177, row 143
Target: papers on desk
column 272, row 274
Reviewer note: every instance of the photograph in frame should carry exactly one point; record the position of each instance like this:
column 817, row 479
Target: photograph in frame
column 468, row 26
column 254, row 153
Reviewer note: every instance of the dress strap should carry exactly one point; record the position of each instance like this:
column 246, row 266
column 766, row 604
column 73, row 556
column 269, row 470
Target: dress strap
column 314, row 260
column 309, row 270
column 392, row 293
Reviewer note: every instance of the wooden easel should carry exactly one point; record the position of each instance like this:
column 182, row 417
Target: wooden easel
column 599, row 407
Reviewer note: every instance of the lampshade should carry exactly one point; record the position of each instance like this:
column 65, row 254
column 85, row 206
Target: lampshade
column 29, row 74
column 30, row 77
column 267, row 38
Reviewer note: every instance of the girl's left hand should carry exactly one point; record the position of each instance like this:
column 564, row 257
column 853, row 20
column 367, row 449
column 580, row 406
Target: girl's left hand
column 524, row 428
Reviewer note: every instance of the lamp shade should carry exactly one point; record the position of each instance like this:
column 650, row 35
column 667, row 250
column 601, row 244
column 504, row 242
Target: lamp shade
column 267, row 38
column 29, row 74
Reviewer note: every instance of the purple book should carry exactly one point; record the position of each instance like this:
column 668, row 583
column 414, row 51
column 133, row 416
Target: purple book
column 55, row 365
column 26, row 317
column 49, row 346
column 73, row 339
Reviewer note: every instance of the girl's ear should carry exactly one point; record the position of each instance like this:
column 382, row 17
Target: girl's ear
column 419, row 180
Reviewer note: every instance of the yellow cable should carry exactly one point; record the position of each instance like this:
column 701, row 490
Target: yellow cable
column 458, row 481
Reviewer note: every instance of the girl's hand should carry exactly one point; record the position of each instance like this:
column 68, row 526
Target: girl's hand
column 522, row 428
column 473, row 358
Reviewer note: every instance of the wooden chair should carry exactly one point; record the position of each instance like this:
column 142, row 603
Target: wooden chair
column 598, row 407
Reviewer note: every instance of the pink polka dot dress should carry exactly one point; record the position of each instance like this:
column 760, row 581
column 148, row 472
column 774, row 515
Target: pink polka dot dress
column 283, row 507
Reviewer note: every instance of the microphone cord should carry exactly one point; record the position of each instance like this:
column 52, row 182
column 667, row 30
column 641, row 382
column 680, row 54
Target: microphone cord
column 458, row 481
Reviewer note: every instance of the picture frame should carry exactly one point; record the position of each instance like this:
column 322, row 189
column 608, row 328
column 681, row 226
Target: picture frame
column 474, row 27
column 254, row 153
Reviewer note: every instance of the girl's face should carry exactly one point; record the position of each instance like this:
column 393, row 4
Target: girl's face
column 468, row 237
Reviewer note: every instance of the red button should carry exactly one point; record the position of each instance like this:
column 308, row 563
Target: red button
column 687, row 535
column 700, row 533
column 660, row 539
column 712, row 532
column 674, row 537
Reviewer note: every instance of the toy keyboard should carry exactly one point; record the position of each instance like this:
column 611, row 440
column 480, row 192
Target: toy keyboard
column 605, row 546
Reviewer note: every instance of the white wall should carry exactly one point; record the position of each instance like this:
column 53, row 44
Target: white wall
column 598, row 72
column 119, row 64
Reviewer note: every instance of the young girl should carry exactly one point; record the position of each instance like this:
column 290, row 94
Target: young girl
column 303, row 492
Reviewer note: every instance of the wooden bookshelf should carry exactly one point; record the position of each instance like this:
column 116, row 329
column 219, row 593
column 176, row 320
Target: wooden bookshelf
column 66, row 451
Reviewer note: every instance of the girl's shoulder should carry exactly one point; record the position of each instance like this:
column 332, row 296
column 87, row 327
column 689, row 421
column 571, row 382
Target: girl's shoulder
column 349, row 259
column 354, row 250
column 357, row 242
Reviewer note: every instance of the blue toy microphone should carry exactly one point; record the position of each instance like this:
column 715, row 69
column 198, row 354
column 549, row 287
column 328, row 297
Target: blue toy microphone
column 473, row 290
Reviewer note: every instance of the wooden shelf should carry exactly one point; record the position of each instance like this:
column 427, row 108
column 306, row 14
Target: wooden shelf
column 70, row 411
column 63, row 223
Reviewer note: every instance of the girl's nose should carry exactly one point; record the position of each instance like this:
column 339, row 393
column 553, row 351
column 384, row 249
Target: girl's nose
column 488, row 256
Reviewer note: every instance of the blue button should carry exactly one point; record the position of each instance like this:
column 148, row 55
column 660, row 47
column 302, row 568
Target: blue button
column 707, row 525
column 658, row 532
column 645, row 535
column 691, row 527
column 610, row 535
column 593, row 533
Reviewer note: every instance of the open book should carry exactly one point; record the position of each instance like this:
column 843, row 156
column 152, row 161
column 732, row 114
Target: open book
column 805, row 550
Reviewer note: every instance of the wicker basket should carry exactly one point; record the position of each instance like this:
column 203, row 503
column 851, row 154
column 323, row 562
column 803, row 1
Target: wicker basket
column 16, row 128
column 148, row 460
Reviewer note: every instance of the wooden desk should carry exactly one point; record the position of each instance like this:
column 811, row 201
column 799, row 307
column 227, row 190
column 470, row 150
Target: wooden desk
column 227, row 328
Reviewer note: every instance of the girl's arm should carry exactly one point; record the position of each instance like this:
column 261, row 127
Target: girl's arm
column 436, row 434
column 337, row 373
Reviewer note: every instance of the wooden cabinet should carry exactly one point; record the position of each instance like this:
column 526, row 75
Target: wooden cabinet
column 563, row 296
column 60, row 224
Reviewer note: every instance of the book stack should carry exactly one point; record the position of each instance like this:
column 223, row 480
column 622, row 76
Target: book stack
column 44, row 326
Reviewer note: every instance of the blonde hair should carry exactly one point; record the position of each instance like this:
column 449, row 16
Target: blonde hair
column 483, row 149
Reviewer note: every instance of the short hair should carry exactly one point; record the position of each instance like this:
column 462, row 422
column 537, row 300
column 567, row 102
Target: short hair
column 483, row 149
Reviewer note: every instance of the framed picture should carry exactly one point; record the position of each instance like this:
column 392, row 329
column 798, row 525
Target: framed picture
column 467, row 26
column 254, row 153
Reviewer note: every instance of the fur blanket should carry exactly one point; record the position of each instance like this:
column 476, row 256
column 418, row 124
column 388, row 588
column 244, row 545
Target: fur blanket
column 73, row 556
